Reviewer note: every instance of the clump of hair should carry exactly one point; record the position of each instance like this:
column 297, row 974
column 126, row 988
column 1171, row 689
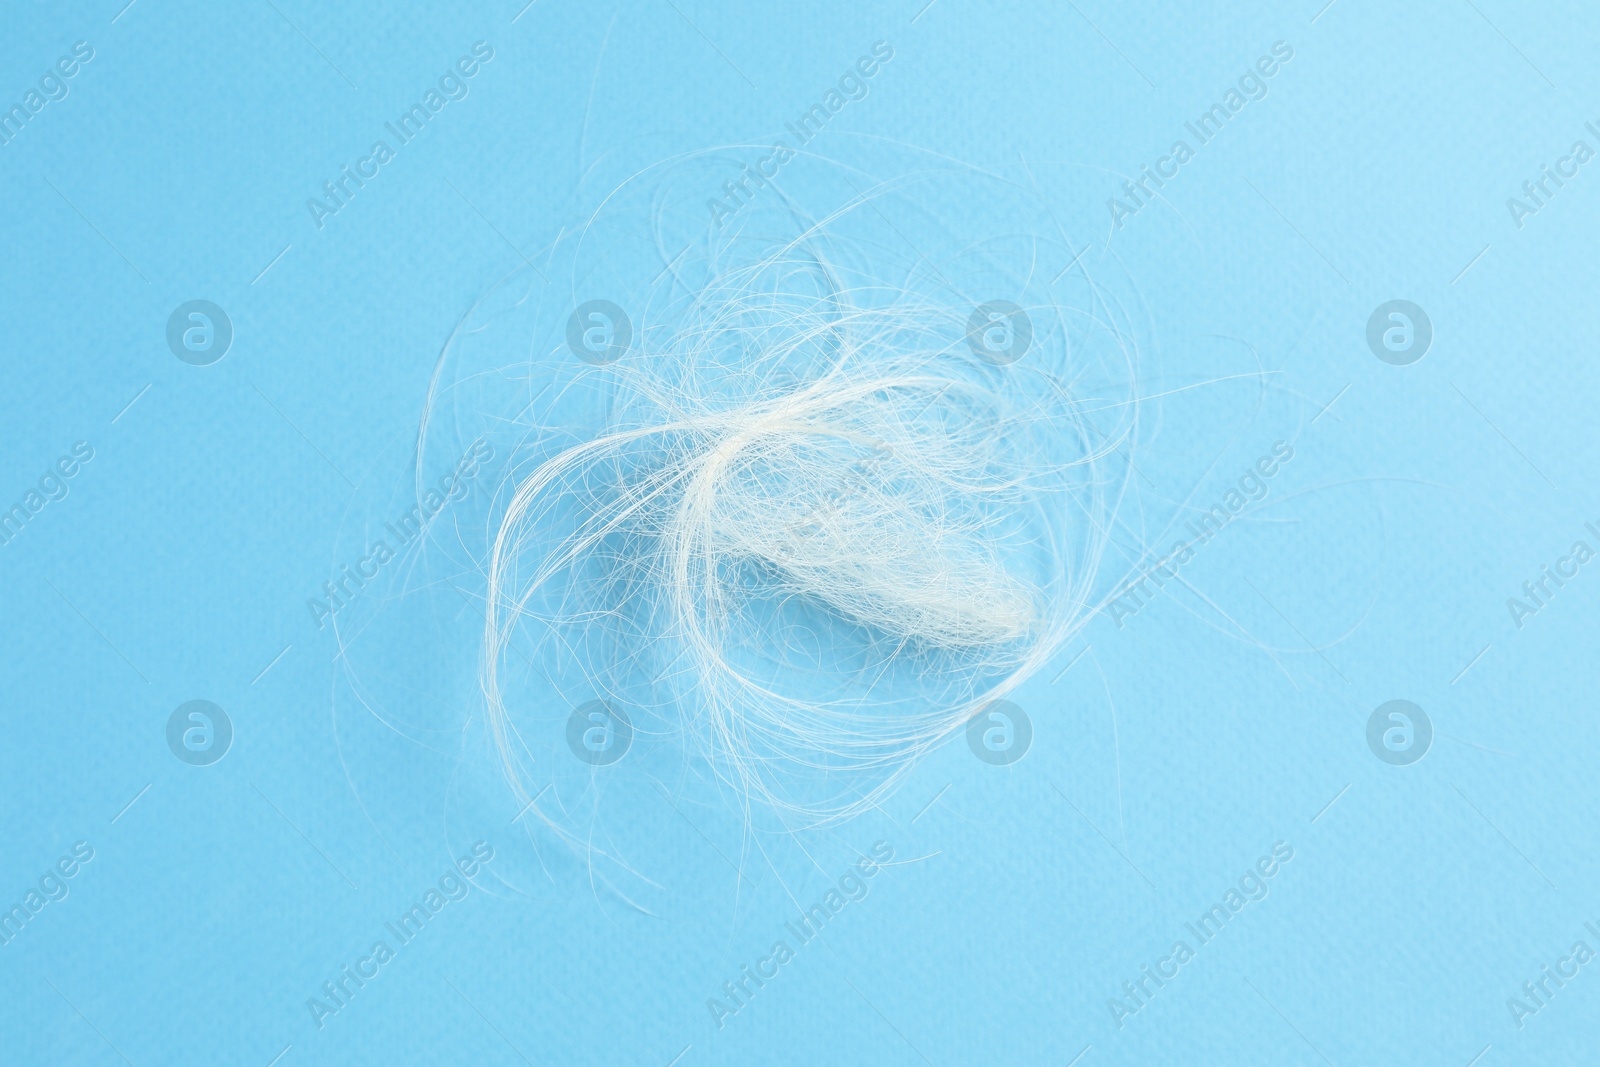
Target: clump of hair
column 813, row 525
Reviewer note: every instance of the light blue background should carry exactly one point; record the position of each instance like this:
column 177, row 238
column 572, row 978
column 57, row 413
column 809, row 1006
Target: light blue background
column 1176, row 751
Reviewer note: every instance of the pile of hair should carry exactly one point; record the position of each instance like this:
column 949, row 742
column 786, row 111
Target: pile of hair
column 810, row 528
